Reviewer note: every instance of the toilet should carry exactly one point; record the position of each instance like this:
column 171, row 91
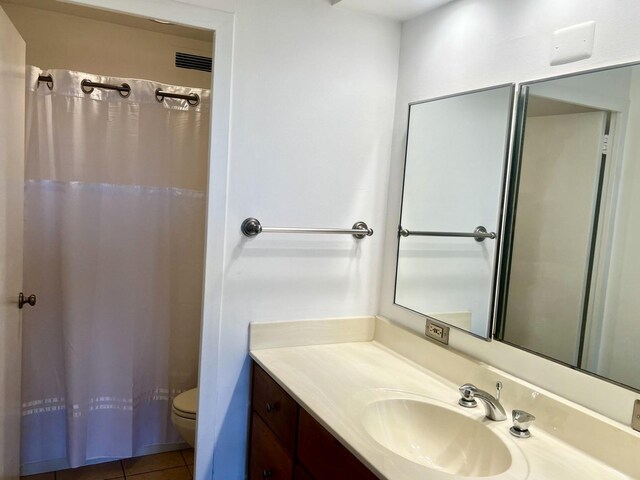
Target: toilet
column 183, row 415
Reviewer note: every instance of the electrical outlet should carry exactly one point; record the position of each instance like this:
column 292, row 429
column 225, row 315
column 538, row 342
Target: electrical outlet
column 437, row 331
column 635, row 420
column 573, row 43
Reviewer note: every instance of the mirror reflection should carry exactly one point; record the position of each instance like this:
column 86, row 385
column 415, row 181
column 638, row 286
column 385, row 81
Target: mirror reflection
column 451, row 207
column 572, row 274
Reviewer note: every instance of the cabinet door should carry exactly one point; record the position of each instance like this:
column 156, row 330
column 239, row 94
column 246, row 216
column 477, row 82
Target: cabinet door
column 278, row 410
column 301, row 474
column 324, row 457
column 269, row 460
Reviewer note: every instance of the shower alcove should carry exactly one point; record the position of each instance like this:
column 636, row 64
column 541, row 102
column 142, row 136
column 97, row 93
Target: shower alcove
column 114, row 237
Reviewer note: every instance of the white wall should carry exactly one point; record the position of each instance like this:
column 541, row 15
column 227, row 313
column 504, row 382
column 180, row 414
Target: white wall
column 469, row 44
column 312, row 113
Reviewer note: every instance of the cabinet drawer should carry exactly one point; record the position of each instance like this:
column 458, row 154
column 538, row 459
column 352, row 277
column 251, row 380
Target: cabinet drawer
column 269, row 460
column 324, row 457
column 278, row 410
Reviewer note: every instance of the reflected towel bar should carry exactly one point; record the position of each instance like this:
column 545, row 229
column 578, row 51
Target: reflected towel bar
column 479, row 234
column 252, row 227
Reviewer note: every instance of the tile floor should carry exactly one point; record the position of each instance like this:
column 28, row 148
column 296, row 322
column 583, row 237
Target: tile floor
column 176, row 465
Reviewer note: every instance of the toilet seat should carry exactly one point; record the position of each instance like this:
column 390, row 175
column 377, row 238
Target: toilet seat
column 184, row 410
column 185, row 405
column 185, row 415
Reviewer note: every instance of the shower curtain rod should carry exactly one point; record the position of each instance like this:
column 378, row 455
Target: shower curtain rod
column 46, row 78
column 192, row 99
column 124, row 90
column 87, row 86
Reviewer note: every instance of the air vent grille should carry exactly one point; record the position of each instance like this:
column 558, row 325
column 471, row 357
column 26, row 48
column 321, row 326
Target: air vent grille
column 193, row 62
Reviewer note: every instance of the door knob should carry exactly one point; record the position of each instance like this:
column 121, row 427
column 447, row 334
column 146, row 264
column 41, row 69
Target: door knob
column 22, row 300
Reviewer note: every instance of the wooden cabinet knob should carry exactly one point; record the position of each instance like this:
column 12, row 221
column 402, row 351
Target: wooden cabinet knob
column 266, row 473
column 271, row 407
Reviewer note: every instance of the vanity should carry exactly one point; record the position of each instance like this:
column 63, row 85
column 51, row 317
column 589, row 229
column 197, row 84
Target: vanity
column 285, row 438
column 518, row 203
column 363, row 398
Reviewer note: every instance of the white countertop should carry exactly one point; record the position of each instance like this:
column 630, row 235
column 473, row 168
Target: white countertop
column 334, row 381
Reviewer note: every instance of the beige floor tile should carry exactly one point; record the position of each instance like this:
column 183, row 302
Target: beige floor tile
column 179, row 473
column 151, row 463
column 187, row 454
column 40, row 476
column 101, row 471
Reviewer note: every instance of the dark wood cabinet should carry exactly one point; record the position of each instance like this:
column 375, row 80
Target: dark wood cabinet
column 269, row 459
column 287, row 443
column 301, row 474
column 324, row 456
column 278, row 410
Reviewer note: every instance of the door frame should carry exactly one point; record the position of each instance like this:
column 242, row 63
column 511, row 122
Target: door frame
column 189, row 13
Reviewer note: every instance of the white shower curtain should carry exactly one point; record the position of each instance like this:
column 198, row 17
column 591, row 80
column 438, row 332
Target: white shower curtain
column 114, row 245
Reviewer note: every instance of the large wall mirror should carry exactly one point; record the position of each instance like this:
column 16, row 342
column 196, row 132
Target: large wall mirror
column 451, row 207
column 572, row 255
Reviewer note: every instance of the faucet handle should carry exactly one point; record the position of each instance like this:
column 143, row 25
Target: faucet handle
column 467, row 392
column 521, row 423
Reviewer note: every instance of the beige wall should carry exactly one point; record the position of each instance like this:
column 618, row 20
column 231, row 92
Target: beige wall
column 560, row 165
column 56, row 40
column 619, row 355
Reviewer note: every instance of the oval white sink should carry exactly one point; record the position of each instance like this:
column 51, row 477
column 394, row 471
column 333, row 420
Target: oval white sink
column 436, row 437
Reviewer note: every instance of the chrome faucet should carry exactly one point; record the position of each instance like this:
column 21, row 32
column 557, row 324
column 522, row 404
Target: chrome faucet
column 492, row 406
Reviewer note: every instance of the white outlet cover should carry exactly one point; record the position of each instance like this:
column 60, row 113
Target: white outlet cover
column 573, row 43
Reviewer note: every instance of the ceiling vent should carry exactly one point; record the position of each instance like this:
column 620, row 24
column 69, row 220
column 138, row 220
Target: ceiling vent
column 193, row 62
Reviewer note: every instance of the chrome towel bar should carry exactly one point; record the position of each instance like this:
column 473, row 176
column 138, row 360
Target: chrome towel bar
column 252, row 227
column 480, row 233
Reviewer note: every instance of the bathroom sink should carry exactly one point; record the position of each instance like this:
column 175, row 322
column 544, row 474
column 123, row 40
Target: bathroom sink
column 436, row 436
